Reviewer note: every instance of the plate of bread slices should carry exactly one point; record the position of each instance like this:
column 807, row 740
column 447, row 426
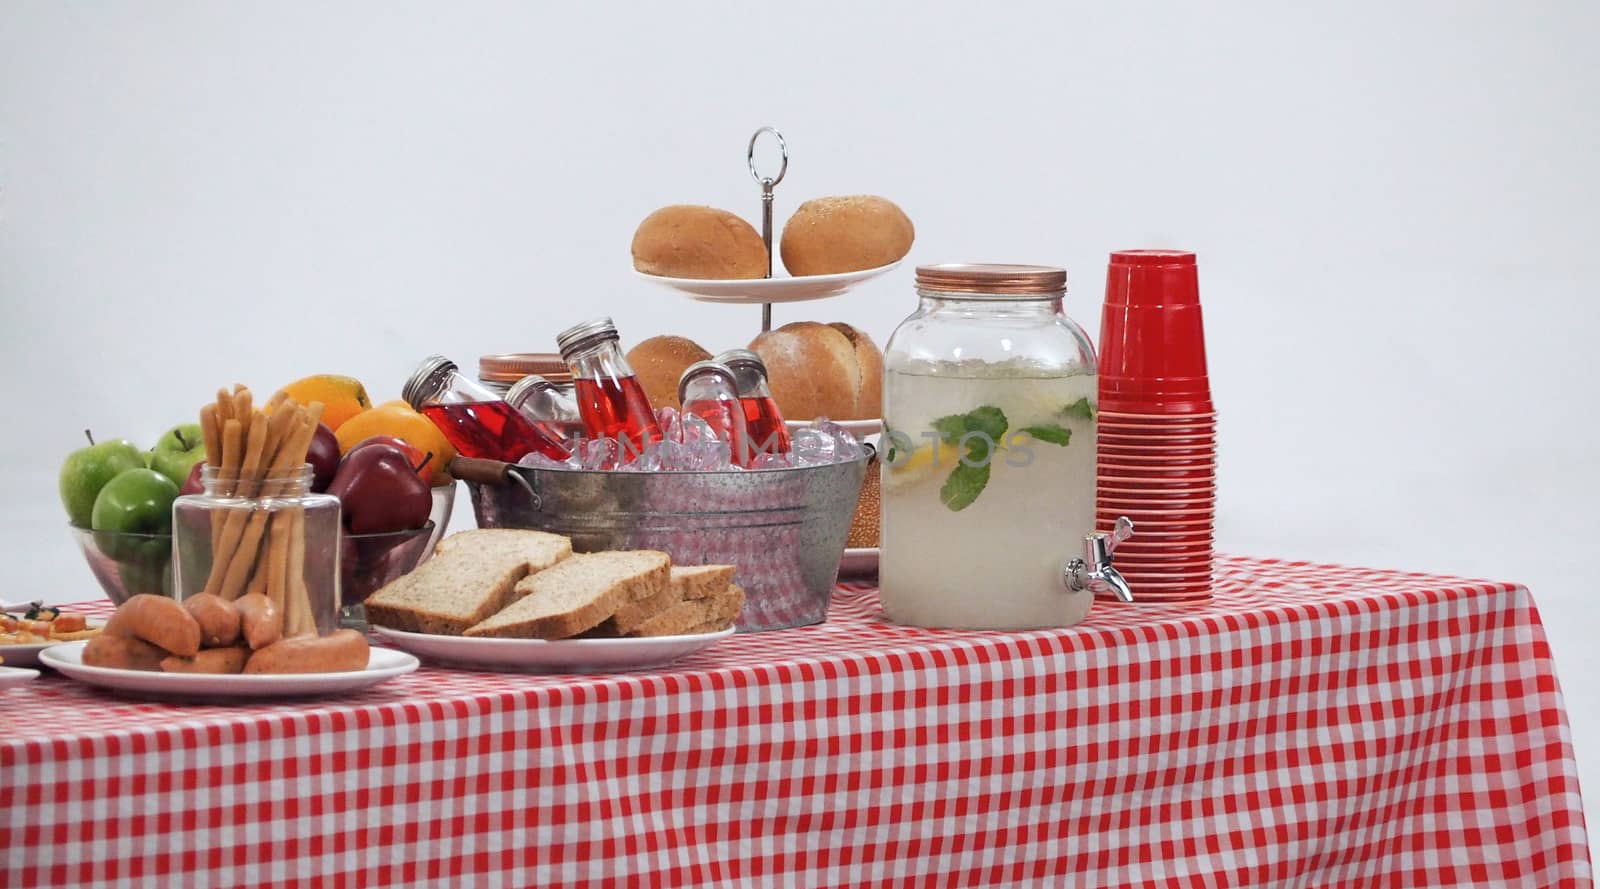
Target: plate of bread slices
column 828, row 246
column 504, row 599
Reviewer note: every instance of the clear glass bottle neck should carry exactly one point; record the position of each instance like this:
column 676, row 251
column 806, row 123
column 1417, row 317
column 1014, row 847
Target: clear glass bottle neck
column 455, row 387
column 600, row 359
column 709, row 387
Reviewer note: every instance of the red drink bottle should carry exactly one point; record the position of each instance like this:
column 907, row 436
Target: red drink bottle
column 707, row 390
column 763, row 421
column 472, row 417
column 610, row 400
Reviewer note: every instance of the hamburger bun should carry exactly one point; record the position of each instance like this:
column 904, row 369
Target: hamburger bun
column 849, row 233
column 698, row 242
column 869, row 360
column 814, row 371
column 659, row 361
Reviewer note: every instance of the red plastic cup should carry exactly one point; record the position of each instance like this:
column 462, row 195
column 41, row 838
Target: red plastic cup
column 1152, row 335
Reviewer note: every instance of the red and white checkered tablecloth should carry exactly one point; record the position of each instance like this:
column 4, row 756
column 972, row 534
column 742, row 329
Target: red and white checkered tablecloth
column 1310, row 726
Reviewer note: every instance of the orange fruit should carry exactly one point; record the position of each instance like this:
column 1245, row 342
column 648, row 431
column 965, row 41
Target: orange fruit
column 342, row 397
column 396, row 418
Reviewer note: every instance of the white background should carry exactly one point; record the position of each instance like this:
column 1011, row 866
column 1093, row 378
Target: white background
column 1394, row 206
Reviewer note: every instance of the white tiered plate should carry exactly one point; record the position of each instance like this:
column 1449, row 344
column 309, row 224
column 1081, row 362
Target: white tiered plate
column 755, row 291
column 383, row 664
column 551, row 655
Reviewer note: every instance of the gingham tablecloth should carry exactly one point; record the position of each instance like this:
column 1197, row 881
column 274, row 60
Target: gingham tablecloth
column 1310, row 726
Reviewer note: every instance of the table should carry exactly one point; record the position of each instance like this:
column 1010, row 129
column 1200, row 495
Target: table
column 1309, row 726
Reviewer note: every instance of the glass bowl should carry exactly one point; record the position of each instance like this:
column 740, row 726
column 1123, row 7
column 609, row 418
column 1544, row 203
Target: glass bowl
column 444, row 503
column 368, row 562
column 127, row 564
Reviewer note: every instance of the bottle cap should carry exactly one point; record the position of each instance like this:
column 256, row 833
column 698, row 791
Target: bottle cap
column 702, row 369
column 999, row 280
column 426, row 380
column 579, row 335
column 526, row 386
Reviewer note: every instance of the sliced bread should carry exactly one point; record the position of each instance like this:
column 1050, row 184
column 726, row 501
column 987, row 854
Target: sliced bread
column 686, row 582
column 701, row 581
column 578, row 594
column 473, row 577
column 694, row 615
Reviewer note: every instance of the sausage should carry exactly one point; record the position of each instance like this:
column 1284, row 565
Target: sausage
column 69, row 622
column 218, row 620
column 122, row 653
column 259, row 620
column 338, row 652
column 209, row 660
column 158, row 620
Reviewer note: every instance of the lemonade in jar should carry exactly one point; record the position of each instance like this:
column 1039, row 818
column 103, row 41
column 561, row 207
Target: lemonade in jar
column 988, row 452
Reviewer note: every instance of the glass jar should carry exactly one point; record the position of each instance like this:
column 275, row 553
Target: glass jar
column 498, row 373
column 763, row 420
column 708, row 390
column 989, row 451
column 264, row 533
column 549, row 407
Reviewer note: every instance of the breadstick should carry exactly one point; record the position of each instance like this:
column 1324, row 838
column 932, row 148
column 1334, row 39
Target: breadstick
column 258, row 571
column 250, row 468
column 224, row 405
column 283, row 419
column 244, row 558
column 278, row 556
column 278, row 398
column 211, row 434
column 242, row 409
column 297, row 575
column 232, row 454
column 248, row 475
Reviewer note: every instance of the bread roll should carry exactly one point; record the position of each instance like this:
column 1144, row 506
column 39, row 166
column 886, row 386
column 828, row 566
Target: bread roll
column 869, row 360
column 812, row 370
column 698, row 242
column 845, row 234
column 659, row 361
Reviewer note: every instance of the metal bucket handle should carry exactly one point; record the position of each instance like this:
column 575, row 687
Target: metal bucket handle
column 493, row 472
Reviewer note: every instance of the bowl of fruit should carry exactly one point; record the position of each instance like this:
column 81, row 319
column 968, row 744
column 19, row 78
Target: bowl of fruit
column 118, row 500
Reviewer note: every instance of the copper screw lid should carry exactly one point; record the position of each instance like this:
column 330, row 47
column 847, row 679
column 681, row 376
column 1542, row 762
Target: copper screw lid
column 962, row 277
column 511, row 367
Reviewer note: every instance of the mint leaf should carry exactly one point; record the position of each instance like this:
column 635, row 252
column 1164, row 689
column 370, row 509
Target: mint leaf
column 1078, row 410
column 951, row 428
column 979, row 449
column 1051, row 433
column 963, row 486
column 991, row 421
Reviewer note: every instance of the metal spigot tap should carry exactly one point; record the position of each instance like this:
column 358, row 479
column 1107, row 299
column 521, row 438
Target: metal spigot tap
column 1094, row 572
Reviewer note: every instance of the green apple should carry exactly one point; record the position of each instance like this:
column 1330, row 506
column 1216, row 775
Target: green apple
column 177, row 451
column 87, row 470
column 137, row 502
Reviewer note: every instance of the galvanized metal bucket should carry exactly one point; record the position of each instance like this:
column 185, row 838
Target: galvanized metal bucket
column 784, row 529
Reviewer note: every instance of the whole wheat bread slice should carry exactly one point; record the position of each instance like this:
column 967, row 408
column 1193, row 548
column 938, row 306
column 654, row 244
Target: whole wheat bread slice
column 686, row 582
column 578, row 594
column 693, row 615
column 473, row 577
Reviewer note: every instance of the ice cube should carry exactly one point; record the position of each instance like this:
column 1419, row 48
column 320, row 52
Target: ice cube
column 599, row 453
column 812, row 446
column 537, row 460
column 772, row 461
column 845, row 445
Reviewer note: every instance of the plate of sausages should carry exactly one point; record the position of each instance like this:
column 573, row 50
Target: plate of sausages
column 208, row 647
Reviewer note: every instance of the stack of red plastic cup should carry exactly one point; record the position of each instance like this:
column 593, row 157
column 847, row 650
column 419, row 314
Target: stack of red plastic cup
column 1157, row 430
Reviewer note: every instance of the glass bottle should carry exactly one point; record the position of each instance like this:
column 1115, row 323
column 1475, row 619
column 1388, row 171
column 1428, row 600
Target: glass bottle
column 475, row 420
column 267, row 534
column 763, row 421
column 708, row 390
column 549, row 407
column 610, row 398
column 989, row 451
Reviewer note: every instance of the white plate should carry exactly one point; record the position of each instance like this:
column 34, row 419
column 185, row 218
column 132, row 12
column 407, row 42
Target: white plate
column 551, row 655
column 383, row 665
column 859, row 562
column 859, row 428
column 754, row 291
column 26, row 654
column 10, row 676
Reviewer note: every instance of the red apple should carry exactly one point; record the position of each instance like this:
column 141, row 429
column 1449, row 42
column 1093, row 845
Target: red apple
column 420, row 461
column 323, row 455
column 192, row 484
column 379, row 490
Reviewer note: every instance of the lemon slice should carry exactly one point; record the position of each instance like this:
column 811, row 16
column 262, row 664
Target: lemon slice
column 928, row 460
